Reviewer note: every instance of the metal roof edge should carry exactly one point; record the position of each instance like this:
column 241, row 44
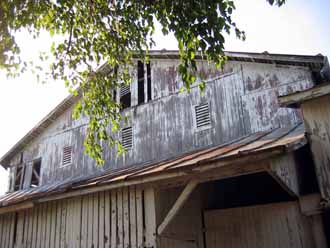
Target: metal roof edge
column 294, row 100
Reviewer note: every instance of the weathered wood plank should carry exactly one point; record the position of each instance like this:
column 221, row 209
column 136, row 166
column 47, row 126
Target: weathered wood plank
column 49, row 220
column 113, row 218
column 107, row 219
column 316, row 115
column 90, row 220
column 132, row 217
column 20, row 228
column 12, row 220
column 150, row 217
column 120, row 224
column 63, row 226
column 53, row 216
column 58, row 224
column 101, row 219
column 1, row 226
column 35, row 227
column 40, row 226
column 96, row 220
column 85, row 224
column 126, row 217
column 139, row 217
column 77, row 224
column 284, row 170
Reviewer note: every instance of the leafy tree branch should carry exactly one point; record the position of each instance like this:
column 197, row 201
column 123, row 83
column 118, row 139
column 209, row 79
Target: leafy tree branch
column 113, row 32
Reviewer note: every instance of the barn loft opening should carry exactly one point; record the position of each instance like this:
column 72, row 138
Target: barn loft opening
column 149, row 81
column 143, row 92
column 36, row 168
column 140, row 75
column 125, row 96
column 245, row 190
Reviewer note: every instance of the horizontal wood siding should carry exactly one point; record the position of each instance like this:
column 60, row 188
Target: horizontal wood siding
column 105, row 219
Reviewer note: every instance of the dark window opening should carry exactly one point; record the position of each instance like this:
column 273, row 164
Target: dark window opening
column 246, row 190
column 125, row 96
column 35, row 178
column 149, row 81
column 140, row 75
column 114, row 95
column 19, row 177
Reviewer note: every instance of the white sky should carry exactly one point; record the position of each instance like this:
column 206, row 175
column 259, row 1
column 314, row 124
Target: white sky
column 299, row 27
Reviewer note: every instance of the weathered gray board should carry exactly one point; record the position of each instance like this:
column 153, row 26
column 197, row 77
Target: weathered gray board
column 105, row 219
column 317, row 123
column 242, row 98
column 277, row 225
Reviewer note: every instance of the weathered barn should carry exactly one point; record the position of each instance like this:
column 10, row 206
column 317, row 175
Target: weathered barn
column 222, row 168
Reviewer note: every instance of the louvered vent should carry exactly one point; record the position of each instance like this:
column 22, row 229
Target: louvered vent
column 124, row 90
column 127, row 138
column 67, row 155
column 202, row 115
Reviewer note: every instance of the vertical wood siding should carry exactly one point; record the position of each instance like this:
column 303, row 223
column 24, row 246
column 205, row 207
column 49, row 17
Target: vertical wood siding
column 273, row 226
column 317, row 122
column 105, row 219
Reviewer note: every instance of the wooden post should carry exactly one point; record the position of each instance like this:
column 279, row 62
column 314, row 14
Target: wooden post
column 150, row 218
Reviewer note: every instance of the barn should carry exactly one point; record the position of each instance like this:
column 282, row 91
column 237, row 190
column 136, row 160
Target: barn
column 238, row 165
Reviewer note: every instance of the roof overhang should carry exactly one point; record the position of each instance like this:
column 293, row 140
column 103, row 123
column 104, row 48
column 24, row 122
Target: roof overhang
column 246, row 155
column 294, row 100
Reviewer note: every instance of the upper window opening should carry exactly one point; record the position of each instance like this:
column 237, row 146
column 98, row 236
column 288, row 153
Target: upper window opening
column 67, row 155
column 149, row 81
column 140, row 75
column 35, row 178
column 202, row 115
column 125, row 96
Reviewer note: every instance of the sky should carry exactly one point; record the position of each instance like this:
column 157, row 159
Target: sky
column 299, row 27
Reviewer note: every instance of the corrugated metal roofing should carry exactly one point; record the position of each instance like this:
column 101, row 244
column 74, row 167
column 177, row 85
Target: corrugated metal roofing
column 281, row 139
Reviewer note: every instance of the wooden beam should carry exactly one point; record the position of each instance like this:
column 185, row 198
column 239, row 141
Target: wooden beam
column 306, row 95
column 177, row 205
column 234, row 165
column 285, row 171
column 16, row 207
column 310, row 204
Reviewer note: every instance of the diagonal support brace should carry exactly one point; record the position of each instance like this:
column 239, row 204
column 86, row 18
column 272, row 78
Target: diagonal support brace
column 177, row 205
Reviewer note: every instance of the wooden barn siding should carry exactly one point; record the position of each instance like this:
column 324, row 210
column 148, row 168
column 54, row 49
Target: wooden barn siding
column 105, row 219
column 242, row 97
column 277, row 225
column 317, row 122
column 185, row 231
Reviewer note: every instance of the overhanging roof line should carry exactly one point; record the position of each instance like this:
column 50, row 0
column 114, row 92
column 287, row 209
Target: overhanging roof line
column 211, row 159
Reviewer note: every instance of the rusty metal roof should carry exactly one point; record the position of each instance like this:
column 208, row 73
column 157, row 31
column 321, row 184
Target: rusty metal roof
column 280, row 139
column 314, row 62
